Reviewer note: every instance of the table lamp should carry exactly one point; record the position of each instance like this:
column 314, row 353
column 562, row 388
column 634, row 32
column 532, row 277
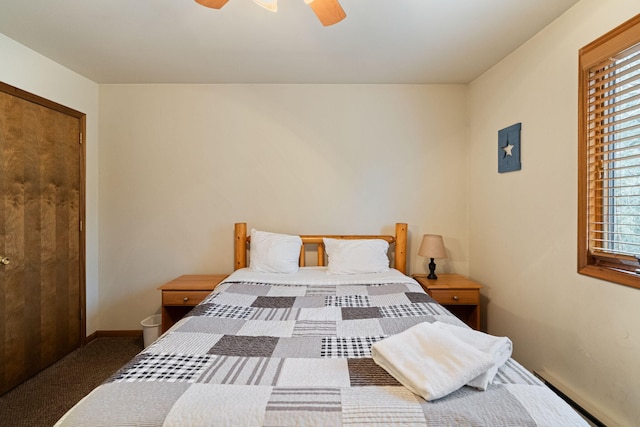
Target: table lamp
column 432, row 246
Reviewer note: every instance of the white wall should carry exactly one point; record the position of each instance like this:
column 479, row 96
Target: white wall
column 27, row 70
column 179, row 164
column 523, row 227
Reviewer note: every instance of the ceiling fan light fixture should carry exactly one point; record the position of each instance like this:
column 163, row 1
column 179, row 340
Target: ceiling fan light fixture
column 271, row 5
column 213, row 4
column 329, row 12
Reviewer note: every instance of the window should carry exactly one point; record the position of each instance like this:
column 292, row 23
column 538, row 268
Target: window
column 609, row 156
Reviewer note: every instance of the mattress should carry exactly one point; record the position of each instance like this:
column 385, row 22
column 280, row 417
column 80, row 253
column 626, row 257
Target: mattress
column 290, row 350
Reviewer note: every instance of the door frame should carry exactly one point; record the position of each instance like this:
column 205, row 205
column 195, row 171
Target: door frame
column 82, row 117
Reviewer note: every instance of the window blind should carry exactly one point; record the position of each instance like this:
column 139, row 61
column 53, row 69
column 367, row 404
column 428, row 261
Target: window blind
column 613, row 159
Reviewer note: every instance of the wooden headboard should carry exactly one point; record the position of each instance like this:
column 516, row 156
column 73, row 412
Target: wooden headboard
column 242, row 241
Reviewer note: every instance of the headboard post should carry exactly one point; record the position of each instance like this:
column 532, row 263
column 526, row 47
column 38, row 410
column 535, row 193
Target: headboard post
column 400, row 259
column 240, row 246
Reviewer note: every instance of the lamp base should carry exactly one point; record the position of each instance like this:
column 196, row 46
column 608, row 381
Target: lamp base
column 432, row 270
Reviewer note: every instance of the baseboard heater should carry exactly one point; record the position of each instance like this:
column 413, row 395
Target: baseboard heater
column 571, row 398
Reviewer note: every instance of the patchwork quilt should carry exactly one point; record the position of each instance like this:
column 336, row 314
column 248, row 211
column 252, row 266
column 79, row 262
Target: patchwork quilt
column 263, row 353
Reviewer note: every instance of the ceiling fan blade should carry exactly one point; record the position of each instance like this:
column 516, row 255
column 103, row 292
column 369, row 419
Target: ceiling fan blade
column 329, row 12
column 213, row 4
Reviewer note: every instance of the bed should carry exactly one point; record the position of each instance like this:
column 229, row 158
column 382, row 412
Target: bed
column 291, row 349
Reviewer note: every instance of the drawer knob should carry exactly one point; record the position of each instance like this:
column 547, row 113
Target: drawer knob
column 455, row 297
column 185, row 299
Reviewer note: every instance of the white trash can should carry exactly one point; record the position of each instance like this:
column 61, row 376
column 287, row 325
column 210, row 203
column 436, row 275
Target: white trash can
column 151, row 328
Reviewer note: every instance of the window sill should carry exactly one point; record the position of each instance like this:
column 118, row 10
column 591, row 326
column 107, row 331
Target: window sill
column 614, row 275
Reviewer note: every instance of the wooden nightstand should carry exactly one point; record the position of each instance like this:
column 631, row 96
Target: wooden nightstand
column 458, row 294
column 180, row 295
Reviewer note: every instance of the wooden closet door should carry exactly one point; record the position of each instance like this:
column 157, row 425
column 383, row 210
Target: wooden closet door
column 41, row 201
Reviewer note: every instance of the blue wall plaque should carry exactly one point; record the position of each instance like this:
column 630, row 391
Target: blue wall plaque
column 509, row 149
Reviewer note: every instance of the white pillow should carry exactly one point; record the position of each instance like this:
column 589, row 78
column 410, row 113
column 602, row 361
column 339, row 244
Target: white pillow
column 356, row 256
column 274, row 253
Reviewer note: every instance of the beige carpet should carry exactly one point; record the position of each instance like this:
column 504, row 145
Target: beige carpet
column 43, row 399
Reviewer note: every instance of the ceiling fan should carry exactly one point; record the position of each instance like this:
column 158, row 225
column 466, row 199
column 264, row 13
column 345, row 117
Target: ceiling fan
column 329, row 12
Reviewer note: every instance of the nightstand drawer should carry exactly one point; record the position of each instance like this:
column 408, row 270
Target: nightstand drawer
column 184, row 292
column 455, row 296
column 188, row 298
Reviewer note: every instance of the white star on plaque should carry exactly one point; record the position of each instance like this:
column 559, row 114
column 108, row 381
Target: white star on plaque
column 507, row 149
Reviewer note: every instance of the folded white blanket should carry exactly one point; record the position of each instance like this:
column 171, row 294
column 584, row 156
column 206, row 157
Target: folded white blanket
column 430, row 361
column 499, row 348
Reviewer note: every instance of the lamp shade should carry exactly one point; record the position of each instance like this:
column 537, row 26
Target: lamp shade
column 432, row 246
